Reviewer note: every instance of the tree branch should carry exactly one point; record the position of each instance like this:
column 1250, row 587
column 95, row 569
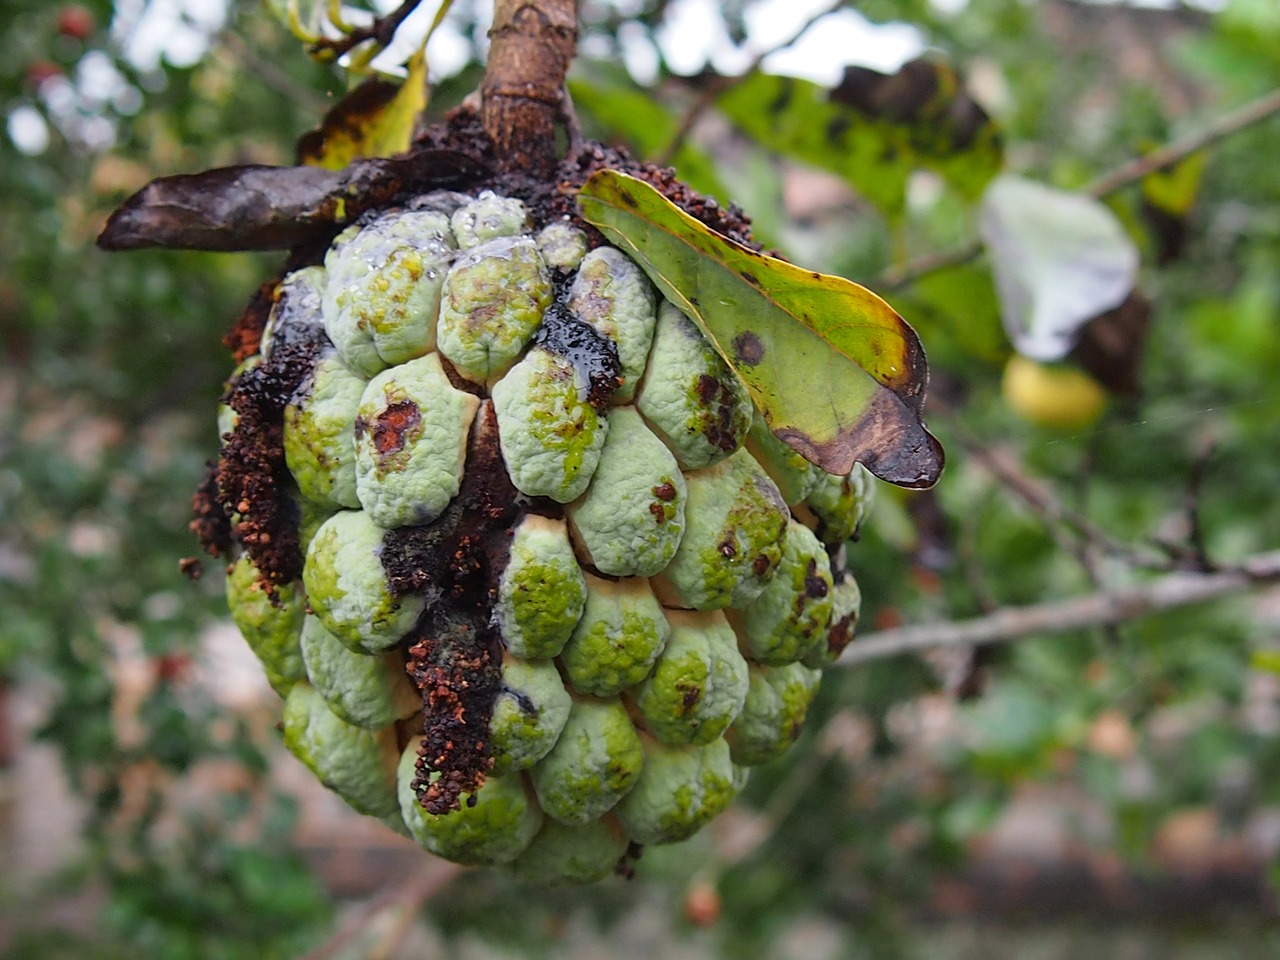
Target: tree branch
column 523, row 90
column 717, row 85
column 1122, row 176
column 382, row 31
column 1105, row 608
column 406, row 897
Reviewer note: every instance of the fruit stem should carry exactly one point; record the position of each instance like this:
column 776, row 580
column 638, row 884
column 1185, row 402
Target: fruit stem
column 532, row 42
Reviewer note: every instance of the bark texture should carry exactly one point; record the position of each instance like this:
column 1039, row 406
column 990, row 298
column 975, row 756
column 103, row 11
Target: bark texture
column 532, row 42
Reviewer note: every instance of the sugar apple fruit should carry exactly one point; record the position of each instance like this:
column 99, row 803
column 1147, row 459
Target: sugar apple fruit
column 560, row 586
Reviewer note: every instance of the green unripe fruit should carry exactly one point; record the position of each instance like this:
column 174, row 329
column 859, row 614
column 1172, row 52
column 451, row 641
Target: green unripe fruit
column 366, row 691
column 541, row 540
column 593, row 765
column 358, row 765
column 528, row 715
column 778, row 699
column 270, row 625
column 680, row 791
column 630, row 520
column 541, row 592
column 620, row 635
column 347, row 587
column 698, row 684
column 492, row 826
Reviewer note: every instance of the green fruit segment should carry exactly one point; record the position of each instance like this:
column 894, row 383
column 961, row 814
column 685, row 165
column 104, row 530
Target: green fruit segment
column 621, row 633
column 357, row 764
column 319, row 438
column 488, row 217
column 492, row 826
column 270, row 626
column 592, row 766
column 550, row 434
column 680, row 791
column 383, row 295
column 562, row 245
column 690, row 397
column 772, row 717
column 528, row 715
column 347, row 588
column 791, row 615
column 541, row 592
column 565, row 854
column 846, row 604
column 836, row 506
column 367, row 691
column 612, row 293
column 698, row 684
column 494, row 298
column 411, row 443
column 631, row 519
column 734, row 523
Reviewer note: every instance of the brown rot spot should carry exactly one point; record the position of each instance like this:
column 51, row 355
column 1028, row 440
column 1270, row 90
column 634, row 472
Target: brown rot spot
column 665, row 491
column 659, row 514
column 390, row 433
column 748, row 349
column 814, row 585
column 760, row 565
column 691, row 697
column 708, row 387
column 728, row 549
column 840, row 635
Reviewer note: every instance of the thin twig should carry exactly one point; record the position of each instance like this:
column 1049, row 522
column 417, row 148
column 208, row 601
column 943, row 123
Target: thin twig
column 265, row 70
column 1169, row 592
column 382, row 31
column 407, row 897
column 717, row 85
column 1127, row 173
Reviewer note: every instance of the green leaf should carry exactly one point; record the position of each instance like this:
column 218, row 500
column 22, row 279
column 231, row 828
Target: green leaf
column 874, row 130
column 837, row 374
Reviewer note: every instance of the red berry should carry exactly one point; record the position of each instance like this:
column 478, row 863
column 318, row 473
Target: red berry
column 76, row 22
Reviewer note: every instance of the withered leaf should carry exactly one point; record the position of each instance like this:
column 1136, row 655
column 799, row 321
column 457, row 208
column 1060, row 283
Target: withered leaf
column 255, row 207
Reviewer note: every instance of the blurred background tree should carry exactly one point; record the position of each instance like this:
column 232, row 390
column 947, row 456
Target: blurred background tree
column 1069, row 793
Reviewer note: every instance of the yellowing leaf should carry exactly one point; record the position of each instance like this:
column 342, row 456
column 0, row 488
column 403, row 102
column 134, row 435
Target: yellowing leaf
column 376, row 119
column 837, row 374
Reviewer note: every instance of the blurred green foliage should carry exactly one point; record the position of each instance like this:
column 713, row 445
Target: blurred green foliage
column 111, row 367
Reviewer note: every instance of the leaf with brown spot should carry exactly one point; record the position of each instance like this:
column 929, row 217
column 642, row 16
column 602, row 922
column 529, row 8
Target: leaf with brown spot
column 837, row 374
column 376, row 119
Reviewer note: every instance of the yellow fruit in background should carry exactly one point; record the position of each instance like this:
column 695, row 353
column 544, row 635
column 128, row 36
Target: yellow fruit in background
column 1057, row 397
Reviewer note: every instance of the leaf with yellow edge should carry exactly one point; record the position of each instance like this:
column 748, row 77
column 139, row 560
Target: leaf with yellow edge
column 376, row 119
column 837, row 374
